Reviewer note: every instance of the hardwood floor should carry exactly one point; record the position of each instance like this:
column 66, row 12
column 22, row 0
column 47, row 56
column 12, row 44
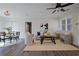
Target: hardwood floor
column 13, row 50
column 50, row 49
column 17, row 50
column 51, row 53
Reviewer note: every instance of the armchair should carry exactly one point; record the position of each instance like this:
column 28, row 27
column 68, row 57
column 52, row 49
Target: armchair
column 29, row 38
column 66, row 37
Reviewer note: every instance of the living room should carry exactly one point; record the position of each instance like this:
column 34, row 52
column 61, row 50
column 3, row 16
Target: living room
column 15, row 16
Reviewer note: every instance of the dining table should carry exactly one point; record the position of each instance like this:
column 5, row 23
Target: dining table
column 8, row 37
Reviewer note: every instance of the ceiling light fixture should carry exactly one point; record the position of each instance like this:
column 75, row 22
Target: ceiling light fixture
column 7, row 13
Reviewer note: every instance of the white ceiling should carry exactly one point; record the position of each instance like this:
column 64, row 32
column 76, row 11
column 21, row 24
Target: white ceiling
column 33, row 10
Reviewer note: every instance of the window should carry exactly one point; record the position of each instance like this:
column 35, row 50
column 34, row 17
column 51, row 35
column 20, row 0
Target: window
column 63, row 25
column 66, row 25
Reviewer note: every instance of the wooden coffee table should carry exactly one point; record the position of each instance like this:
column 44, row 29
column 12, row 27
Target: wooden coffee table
column 51, row 37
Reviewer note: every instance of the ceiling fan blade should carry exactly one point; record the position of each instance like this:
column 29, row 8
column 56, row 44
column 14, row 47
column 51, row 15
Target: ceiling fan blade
column 62, row 10
column 54, row 11
column 58, row 5
column 50, row 8
column 68, row 4
column 67, row 9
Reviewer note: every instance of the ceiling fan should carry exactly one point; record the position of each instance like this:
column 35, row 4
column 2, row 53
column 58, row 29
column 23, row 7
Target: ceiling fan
column 59, row 7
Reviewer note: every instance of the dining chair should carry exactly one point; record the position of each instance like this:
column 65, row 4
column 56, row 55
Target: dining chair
column 0, row 38
column 38, row 35
column 3, row 38
column 17, row 35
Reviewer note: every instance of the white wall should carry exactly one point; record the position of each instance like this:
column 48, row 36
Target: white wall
column 52, row 25
column 17, row 26
column 76, row 30
column 33, row 13
column 20, row 26
column 2, row 24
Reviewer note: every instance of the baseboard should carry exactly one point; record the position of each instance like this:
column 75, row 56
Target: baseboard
column 75, row 45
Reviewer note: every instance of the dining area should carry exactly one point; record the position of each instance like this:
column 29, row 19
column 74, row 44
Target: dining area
column 9, row 37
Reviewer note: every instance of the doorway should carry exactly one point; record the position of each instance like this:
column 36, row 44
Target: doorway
column 28, row 27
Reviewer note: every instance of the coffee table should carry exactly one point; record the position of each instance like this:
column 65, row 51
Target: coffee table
column 51, row 37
